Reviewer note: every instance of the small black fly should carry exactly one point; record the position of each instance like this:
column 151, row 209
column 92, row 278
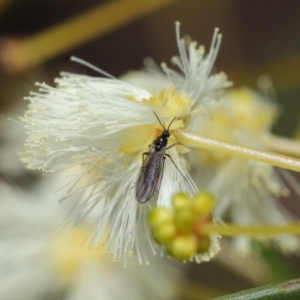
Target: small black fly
column 153, row 164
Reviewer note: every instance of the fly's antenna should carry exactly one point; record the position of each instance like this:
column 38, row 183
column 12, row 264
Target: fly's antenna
column 171, row 123
column 161, row 122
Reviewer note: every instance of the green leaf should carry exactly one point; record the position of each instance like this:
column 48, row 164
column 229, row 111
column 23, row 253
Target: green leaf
column 277, row 263
column 289, row 290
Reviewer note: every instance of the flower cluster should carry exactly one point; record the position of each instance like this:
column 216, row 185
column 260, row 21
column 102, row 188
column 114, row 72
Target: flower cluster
column 179, row 229
column 106, row 124
column 41, row 259
column 247, row 191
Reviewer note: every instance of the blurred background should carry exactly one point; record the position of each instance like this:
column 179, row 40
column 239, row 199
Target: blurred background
column 37, row 39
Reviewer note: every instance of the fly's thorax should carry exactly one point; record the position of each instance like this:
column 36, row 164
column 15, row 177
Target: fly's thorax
column 161, row 141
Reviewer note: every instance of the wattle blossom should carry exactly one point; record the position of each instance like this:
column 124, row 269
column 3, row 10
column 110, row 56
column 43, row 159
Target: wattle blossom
column 41, row 259
column 247, row 191
column 106, row 124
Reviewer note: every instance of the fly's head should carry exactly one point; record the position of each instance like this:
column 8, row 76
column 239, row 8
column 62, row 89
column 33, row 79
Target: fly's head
column 162, row 140
column 166, row 134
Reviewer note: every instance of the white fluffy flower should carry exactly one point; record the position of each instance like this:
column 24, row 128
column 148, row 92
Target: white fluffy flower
column 106, row 124
column 247, row 191
column 39, row 259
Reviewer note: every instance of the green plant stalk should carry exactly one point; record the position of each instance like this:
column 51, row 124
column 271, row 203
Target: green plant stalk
column 195, row 140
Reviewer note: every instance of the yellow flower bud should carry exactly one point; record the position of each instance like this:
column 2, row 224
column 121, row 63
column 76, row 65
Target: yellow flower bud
column 159, row 215
column 183, row 247
column 203, row 203
column 184, row 219
column 180, row 201
column 164, row 232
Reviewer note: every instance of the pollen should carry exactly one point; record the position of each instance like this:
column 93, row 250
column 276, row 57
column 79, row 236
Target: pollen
column 244, row 117
column 172, row 104
column 251, row 111
column 175, row 103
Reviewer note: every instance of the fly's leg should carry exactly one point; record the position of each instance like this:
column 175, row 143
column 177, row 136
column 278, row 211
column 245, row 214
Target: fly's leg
column 176, row 166
column 177, row 143
column 146, row 153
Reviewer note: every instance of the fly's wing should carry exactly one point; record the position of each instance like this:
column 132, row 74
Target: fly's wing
column 150, row 175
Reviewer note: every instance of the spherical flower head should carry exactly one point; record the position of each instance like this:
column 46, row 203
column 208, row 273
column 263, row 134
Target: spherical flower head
column 247, row 191
column 251, row 111
column 105, row 125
